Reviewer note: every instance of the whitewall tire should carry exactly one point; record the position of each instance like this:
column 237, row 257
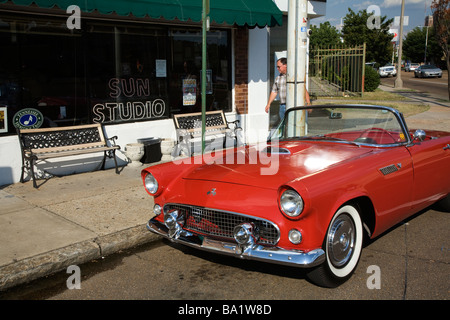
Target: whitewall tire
column 343, row 244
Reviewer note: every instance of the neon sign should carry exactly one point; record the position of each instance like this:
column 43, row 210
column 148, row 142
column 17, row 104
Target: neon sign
column 129, row 87
column 118, row 111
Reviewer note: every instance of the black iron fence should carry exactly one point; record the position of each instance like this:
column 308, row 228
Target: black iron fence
column 337, row 71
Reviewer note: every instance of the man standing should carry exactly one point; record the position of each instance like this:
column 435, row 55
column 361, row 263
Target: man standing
column 279, row 88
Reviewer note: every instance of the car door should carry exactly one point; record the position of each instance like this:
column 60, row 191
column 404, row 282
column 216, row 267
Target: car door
column 431, row 161
column 392, row 190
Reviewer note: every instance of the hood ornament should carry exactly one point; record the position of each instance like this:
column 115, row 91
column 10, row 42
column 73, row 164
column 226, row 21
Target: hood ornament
column 212, row 192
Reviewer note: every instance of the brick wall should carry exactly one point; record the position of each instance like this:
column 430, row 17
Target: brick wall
column 241, row 70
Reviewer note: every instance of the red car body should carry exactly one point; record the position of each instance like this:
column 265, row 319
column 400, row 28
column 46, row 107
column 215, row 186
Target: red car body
column 385, row 182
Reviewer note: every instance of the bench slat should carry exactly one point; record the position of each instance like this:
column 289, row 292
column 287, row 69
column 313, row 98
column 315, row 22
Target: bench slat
column 69, row 128
column 67, row 148
column 66, row 153
column 214, row 119
column 208, row 129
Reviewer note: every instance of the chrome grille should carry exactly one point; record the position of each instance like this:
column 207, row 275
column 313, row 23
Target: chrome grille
column 220, row 224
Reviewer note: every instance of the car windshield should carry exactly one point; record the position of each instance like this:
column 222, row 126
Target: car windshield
column 429, row 67
column 362, row 125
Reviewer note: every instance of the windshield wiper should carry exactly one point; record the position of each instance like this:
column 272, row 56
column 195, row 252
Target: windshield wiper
column 343, row 140
column 324, row 137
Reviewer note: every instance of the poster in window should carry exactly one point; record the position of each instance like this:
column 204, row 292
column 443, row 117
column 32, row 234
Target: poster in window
column 161, row 68
column 3, row 120
column 189, row 92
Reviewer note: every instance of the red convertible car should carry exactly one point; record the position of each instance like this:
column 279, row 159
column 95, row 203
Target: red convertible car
column 327, row 178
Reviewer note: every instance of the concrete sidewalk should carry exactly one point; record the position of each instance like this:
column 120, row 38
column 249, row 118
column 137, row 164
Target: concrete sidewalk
column 74, row 219
column 70, row 220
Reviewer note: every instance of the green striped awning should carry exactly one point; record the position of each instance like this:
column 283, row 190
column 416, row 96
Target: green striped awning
column 240, row 12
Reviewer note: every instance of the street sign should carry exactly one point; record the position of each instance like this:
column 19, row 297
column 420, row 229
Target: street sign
column 397, row 21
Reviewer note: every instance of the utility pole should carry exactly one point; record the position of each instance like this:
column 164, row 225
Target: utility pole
column 296, row 60
column 398, row 81
column 205, row 28
column 426, row 45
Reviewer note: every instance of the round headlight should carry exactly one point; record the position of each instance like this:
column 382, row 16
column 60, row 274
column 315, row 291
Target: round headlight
column 291, row 203
column 151, row 184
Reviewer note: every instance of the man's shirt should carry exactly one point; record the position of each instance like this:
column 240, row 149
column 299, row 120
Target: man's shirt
column 280, row 87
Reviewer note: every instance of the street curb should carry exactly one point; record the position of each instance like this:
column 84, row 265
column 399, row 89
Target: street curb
column 45, row 264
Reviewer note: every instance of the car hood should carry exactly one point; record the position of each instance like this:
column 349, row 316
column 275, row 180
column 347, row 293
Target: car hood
column 272, row 166
column 431, row 70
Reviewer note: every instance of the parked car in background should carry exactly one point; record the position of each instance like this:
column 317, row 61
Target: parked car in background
column 305, row 200
column 428, row 71
column 387, row 70
column 411, row 67
column 373, row 65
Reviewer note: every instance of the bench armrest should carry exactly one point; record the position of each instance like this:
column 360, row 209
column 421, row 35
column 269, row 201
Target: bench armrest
column 235, row 123
column 113, row 140
column 182, row 135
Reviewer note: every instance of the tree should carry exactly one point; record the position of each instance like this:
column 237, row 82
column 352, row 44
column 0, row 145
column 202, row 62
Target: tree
column 324, row 36
column 441, row 26
column 414, row 45
column 378, row 39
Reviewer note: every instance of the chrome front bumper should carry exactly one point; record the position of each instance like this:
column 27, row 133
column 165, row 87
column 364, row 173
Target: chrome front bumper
column 252, row 252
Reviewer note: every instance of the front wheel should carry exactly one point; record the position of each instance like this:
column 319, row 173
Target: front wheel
column 343, row 245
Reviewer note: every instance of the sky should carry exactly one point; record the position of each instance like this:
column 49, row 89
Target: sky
column 416, row 10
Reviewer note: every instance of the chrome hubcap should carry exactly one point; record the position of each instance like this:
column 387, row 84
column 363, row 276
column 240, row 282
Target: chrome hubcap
column 341, row 240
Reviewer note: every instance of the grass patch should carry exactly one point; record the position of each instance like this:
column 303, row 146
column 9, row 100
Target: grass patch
column 380, row 97
column 378, row 94
column 408, row 109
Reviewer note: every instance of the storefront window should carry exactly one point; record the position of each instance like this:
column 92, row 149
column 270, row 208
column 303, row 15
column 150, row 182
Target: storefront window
column 186, row 71
column 107, row 72
column 127, row 73
column 41, row 67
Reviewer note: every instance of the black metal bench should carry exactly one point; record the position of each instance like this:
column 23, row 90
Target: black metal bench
column 45, row 143
column 189, row 130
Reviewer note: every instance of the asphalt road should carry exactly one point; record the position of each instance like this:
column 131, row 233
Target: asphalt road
column 435, row 86
column 409, row 262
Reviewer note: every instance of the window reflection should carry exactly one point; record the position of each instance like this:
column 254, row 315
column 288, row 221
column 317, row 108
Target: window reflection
column 108, row 72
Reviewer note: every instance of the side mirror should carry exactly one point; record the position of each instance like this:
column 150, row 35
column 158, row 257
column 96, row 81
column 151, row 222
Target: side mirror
column 419, row 135
column 335, row 115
